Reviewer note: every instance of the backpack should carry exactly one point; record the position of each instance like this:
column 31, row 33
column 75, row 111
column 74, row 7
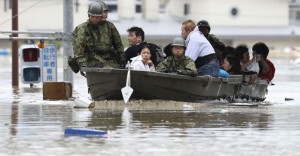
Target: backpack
column 157, row 52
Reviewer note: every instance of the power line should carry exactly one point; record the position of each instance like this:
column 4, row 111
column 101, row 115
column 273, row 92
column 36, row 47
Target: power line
column 21, row 12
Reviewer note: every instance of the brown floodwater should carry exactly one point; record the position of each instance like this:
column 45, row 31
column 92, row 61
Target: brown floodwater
column 30, row 125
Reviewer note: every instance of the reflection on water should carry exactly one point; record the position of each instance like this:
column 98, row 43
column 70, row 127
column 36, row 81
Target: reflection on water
column 238, row 118
column 41, row 127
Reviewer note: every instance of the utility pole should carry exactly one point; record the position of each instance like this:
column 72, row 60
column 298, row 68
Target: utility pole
column 15, row 53
column 67, row 39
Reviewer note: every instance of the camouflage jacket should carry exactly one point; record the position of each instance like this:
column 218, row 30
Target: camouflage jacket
column 183, row 66
column 111, row 39
column 214, row 41
column 102, row 40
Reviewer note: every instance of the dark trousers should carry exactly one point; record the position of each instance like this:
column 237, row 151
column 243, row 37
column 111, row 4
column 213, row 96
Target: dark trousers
column 212, row 68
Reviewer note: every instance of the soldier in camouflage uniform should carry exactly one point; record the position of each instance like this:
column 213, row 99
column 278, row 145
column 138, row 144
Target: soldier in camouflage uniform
column 110, row 36
column 204, row 27
column 97, row 42
column 178, row 63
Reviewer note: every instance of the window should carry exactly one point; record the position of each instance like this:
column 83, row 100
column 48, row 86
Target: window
column 76, row 6
column 297, row 15
column 186, row 9
column 7, row 5
column 234, row 11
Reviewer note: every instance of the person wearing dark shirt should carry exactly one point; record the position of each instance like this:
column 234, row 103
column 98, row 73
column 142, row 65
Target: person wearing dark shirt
column 136, row 37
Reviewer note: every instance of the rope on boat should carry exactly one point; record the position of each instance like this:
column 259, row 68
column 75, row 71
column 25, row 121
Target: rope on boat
column 209, row 80
column 219, row 89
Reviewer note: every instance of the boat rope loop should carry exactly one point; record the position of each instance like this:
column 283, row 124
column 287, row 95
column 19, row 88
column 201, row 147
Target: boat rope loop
column 209, row 80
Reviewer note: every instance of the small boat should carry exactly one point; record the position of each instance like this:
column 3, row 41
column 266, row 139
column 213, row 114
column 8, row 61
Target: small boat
column 106, row 84
column 85, row 132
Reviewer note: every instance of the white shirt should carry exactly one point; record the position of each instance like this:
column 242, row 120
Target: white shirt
column 197, row 45
column 137, row 64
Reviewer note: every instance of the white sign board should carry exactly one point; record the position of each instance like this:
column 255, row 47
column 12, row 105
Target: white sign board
column 49, row 63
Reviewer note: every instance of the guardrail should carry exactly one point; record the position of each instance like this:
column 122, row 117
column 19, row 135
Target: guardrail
column 57, row 35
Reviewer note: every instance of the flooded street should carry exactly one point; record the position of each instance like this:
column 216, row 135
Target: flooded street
column 31, row 126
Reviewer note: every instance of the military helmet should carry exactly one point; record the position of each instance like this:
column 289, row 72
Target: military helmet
column 104, row 6
column 203, row 23
column 95, row 9
column 178, row 41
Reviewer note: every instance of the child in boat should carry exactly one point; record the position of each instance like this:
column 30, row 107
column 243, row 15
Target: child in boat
column 268, row 68
column 230, row 66
column 248, row 67
column 178, row 62
column 143, row 62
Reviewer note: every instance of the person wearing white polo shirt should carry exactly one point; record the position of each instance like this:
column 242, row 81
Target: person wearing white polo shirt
column 200, row 50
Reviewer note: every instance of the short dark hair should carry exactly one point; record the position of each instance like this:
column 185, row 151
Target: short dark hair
column 261, row 48
column 240, row 50
column 138, row 32
column 230, row 49
column 235, row 64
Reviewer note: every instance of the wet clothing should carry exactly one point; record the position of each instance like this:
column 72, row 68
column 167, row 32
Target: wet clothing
column 97, row 45
column 201, row 51
column 137, row 64
column 183, row 66
column 270, row 74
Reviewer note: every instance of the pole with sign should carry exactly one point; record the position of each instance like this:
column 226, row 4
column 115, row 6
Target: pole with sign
column 49, row 63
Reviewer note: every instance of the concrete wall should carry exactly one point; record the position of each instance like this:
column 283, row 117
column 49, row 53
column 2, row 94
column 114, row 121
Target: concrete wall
column 218, row 12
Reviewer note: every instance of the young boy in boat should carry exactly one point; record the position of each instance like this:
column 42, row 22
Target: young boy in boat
column 143, row 61
column 178, row 63
column 267, row 71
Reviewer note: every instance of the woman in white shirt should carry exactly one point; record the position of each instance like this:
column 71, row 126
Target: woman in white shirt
column 143, row 62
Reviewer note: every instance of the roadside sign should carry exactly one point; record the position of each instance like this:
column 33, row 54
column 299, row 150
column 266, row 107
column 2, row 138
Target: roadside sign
column 49, row 63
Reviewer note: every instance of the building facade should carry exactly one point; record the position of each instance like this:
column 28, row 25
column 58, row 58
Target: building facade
column 275, row 22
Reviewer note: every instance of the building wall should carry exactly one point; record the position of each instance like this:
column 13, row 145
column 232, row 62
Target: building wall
column 219, row 12
column 37, row 15
column 250, row 13
column 126, row 9
column 41, row 16
column 150, row 10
